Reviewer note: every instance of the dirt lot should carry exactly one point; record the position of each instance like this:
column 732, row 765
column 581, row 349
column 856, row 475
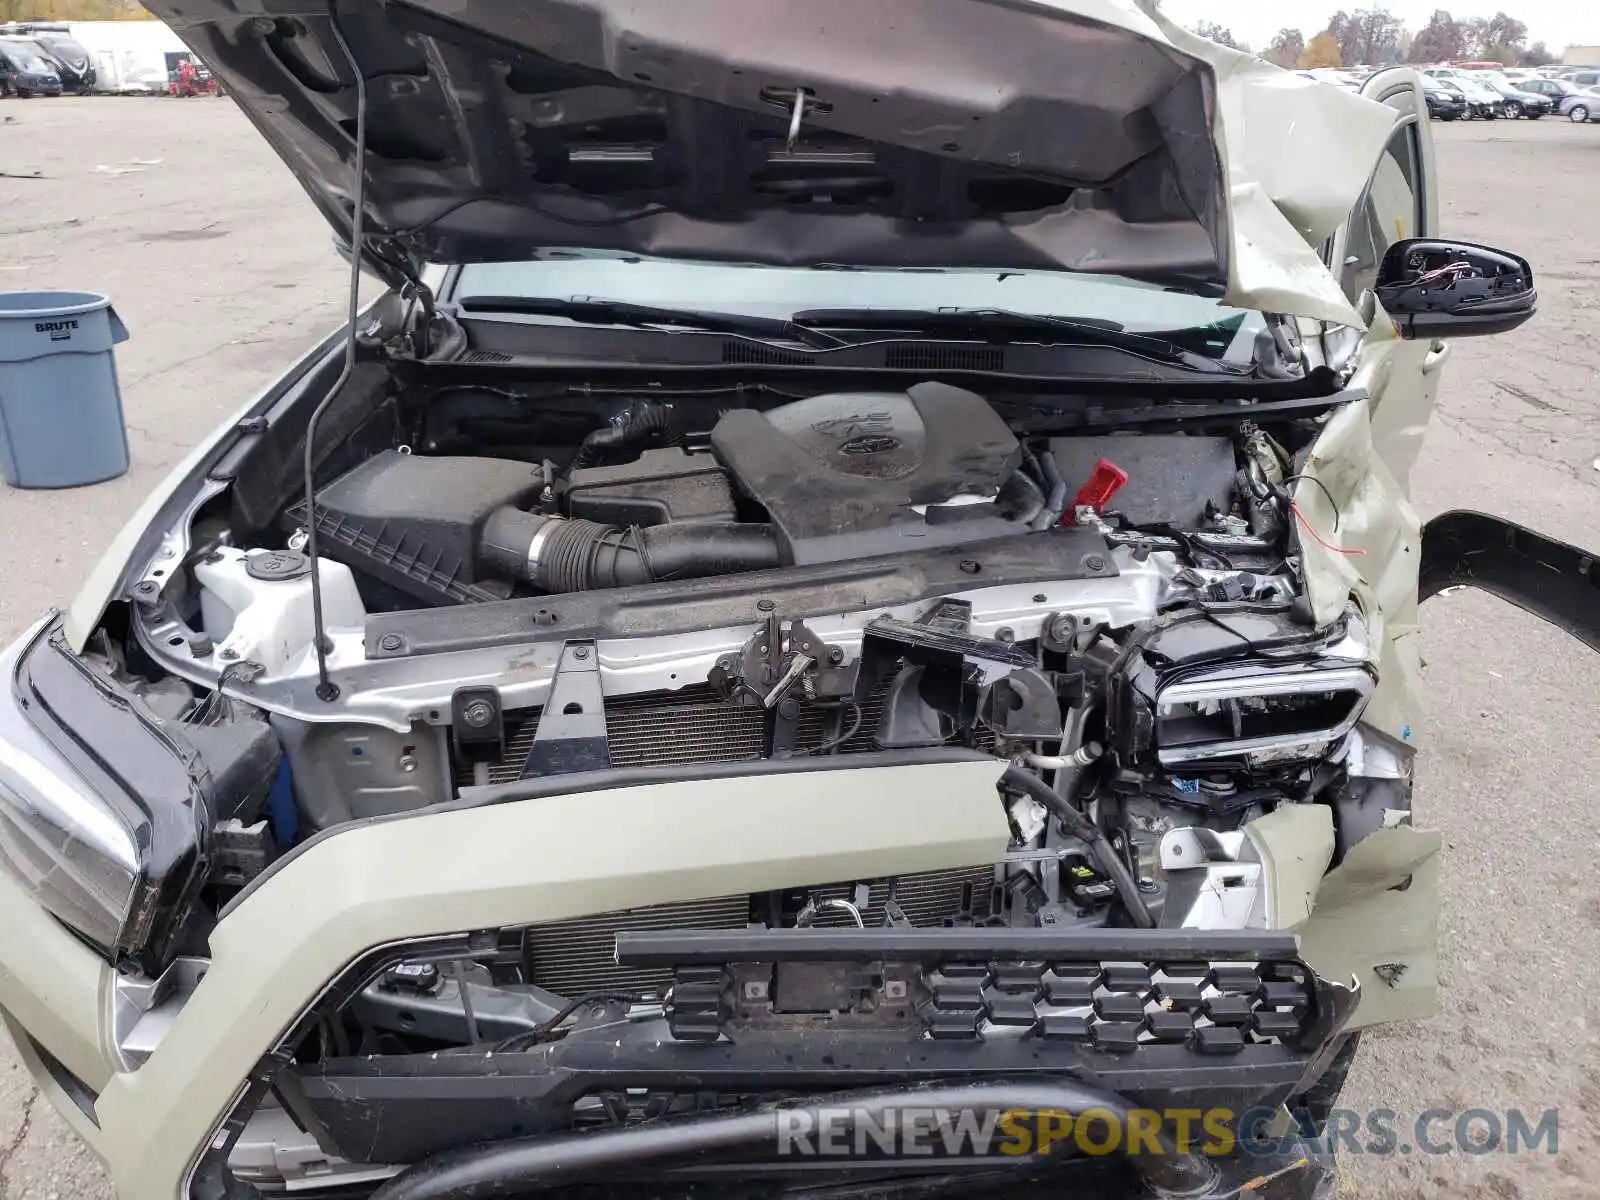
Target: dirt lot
column 222, row 271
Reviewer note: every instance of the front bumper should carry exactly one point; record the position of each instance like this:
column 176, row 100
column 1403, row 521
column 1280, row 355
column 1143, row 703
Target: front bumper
column 388, row 882
column 392, row 883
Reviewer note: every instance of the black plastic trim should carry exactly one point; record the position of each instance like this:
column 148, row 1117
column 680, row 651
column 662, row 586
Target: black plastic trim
column 691, row 947
column 1554, row 581
column 399, row 1107
column 796, row 592
column 1258, row 1077
column 521, row 1165
column 83, row 1096
column 823, row 1057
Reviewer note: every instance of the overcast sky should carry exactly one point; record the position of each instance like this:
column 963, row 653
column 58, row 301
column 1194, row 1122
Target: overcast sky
column 1556, row 23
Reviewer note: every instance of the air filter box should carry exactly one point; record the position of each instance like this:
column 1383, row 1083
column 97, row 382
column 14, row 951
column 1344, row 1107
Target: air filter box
column 414, row 522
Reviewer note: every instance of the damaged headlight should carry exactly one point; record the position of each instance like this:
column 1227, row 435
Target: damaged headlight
column 1246, row 687
column 103, row 817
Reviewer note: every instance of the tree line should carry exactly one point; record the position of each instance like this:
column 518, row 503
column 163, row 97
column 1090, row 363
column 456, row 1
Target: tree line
column 1367, row 36
column 71, row 10
column 1373, row 37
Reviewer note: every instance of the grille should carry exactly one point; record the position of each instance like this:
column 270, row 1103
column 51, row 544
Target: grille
column 578, row 956
column 485, row 356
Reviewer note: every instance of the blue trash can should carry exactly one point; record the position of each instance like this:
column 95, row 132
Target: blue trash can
column 61, row 421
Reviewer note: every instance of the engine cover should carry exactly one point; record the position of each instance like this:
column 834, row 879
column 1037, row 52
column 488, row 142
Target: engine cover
column 857, row 474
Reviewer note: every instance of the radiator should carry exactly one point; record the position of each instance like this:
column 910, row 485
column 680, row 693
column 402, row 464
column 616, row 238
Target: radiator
column 696, row 726
column 578, row 956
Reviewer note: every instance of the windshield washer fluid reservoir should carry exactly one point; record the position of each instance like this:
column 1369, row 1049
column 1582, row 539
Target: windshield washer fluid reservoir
column 255, row 606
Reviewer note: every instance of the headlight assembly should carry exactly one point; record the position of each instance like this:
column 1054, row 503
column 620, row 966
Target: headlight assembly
column 103, row 817
column 66, row 848
column 1254, row 688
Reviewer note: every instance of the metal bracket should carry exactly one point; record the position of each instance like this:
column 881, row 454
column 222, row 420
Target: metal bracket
column 477, row 724
column 832, row 677
column 571, row 734
column 758, row 673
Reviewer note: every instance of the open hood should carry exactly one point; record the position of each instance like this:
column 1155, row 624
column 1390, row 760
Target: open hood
column 1085, row 135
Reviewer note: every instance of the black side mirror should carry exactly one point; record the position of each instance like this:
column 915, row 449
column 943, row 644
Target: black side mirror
column 1436, row 289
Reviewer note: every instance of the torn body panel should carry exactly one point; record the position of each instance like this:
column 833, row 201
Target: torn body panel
column 1372, row 921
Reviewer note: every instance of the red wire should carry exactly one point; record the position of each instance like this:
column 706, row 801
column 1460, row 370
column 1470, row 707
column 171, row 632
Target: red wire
column 1322, row 541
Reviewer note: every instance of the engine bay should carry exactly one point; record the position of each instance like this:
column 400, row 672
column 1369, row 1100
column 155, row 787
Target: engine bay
column 829, row 478
column 528, row 597
column 883, row 573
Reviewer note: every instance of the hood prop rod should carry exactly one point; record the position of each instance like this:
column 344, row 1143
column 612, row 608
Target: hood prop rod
column 327, row 690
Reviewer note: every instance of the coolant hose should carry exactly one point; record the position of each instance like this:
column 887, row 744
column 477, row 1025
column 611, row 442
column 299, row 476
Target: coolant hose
column 558, row 555
column 1056, row 502
column 522, row 1165
column 1018, row 779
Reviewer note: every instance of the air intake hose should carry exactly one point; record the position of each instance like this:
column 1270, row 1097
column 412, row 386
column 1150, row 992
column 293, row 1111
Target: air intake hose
column 556, row 554
column 646, row 424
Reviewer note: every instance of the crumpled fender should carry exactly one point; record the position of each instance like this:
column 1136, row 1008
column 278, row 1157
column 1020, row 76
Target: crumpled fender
column 1373, row 919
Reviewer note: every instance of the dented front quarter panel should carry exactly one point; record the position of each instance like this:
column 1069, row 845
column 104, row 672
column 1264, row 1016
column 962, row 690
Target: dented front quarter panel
column 1371, row 921
column 1367, row 539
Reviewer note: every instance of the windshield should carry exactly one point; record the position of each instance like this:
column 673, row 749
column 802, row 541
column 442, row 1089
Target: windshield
column 1211, row 328
column 65, row 48
column 23, row 58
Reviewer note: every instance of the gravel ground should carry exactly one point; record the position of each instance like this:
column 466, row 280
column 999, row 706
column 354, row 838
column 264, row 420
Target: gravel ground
column 222, row 271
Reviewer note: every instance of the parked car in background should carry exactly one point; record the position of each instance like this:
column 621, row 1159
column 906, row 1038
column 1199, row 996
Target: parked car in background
column 1587, row 78
column 1348, row 80
column 1514, row 101
column 1576, row 103
column 1446, row 102
column 1482, row 100
column 25, row 71
column 57, row 45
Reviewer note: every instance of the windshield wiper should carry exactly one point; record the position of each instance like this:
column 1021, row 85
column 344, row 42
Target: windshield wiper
column 595, row 310
column 990, row 322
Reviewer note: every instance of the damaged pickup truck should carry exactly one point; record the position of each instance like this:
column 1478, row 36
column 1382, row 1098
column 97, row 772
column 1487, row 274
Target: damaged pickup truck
column 861, row 563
